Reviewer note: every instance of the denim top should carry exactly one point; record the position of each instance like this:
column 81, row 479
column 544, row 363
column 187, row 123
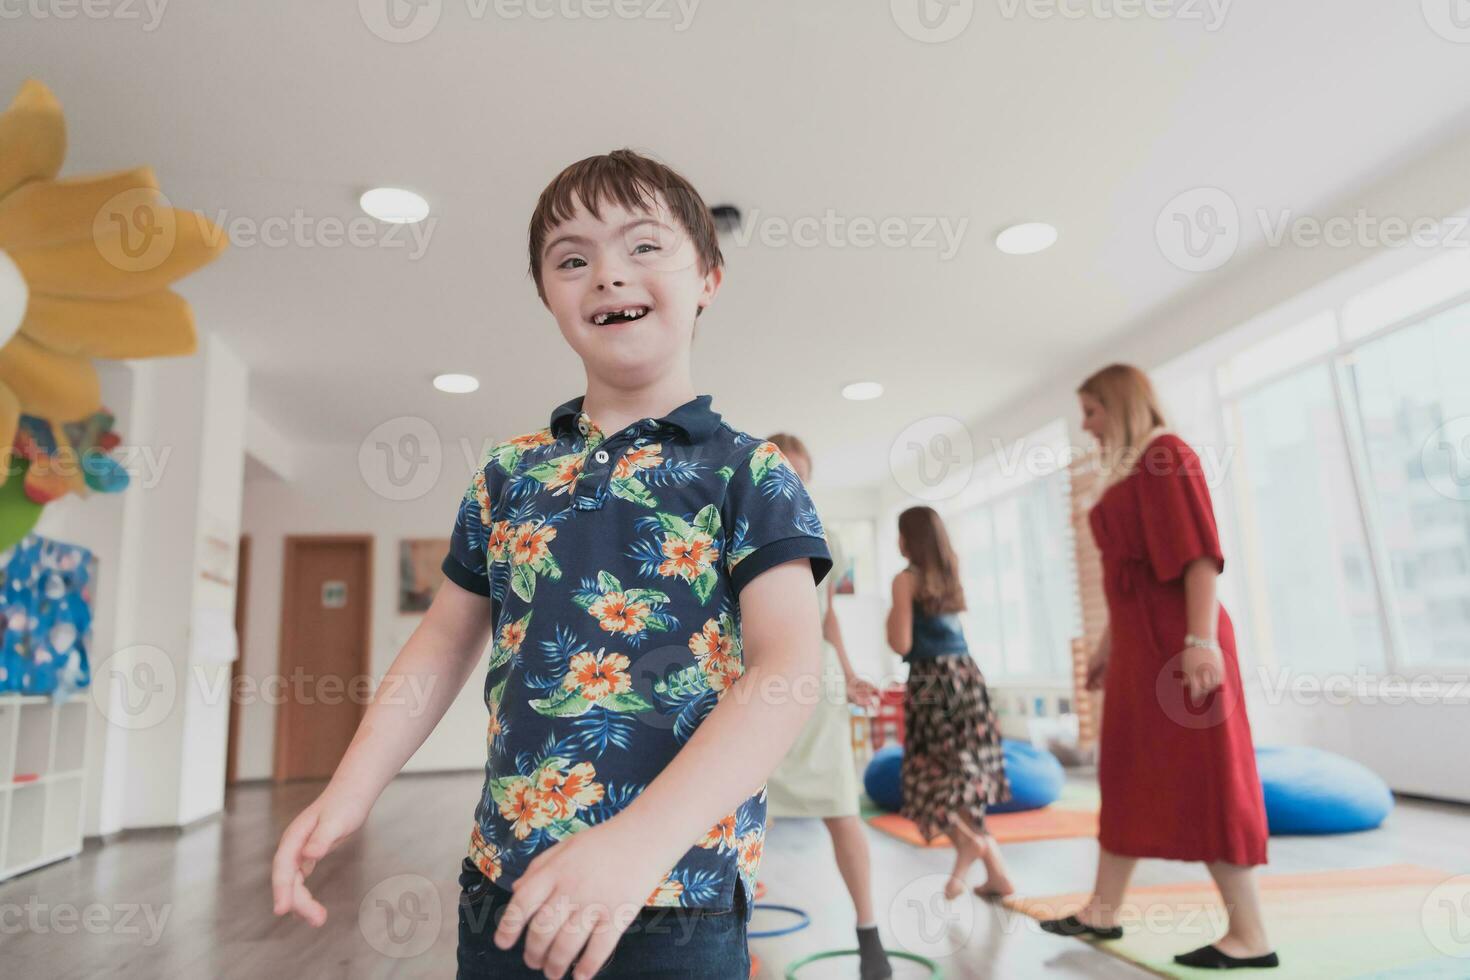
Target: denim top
column 936, row 636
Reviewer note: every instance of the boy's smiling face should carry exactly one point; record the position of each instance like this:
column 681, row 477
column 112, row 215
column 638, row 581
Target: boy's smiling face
column 625, row 287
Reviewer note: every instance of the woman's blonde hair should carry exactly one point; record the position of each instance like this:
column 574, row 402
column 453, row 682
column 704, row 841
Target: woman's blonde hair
column 937, row 587
column 1134, row 417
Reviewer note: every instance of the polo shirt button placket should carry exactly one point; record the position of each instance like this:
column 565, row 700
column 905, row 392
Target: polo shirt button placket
column 597, row 482
column 585, row 501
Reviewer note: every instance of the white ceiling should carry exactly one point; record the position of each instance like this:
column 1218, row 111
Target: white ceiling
column 274, row 108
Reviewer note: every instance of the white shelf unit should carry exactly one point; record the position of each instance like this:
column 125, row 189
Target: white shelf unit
column 41, row 818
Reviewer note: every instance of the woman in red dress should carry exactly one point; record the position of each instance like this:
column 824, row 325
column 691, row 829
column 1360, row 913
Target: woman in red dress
column 1176, row 765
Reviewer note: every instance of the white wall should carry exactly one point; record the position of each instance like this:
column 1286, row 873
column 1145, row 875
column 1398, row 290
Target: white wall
column 329, row 495
column 212, row 642
column 860, row 616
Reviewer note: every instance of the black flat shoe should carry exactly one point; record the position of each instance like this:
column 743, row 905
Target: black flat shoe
column 1076, row 928
column 1210, row 958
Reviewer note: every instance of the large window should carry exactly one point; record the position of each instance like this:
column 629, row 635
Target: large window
column 1301, row 524
column 1412, row 394
column 1017, row 560
column 1351, row 484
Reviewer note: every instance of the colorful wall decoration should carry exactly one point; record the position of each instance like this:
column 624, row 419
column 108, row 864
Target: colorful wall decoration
column 85, row 266
column 46, row 600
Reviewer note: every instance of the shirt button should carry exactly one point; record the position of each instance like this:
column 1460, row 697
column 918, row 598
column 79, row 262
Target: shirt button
column 601, row 456
column 582, row 428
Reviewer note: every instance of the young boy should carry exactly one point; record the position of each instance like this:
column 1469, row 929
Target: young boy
column 647, row 572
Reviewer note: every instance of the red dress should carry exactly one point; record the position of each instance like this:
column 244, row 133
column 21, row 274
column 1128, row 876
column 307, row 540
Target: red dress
column 1178, row 779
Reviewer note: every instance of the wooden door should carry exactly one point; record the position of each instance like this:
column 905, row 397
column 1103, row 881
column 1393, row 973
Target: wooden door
column 242, row 608
column 325, row 652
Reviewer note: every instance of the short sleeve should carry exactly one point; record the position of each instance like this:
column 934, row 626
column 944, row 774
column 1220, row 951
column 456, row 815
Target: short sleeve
column 1177, row 515
column 465, row 563
column 769, row 519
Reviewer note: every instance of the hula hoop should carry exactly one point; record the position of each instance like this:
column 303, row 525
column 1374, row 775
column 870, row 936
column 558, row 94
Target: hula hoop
column 804, row 920
column 934, row 973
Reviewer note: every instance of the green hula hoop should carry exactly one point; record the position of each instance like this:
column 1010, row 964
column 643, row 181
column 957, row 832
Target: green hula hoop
column 934, row 973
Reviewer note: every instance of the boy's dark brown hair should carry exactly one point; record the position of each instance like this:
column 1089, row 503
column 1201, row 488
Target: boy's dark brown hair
column 937, row 570
column 633, row 181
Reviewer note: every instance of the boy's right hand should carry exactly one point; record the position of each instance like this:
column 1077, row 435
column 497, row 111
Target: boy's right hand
column 315, row 833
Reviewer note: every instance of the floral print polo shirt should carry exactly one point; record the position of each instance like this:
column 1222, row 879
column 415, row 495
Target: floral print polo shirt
column 613, row 563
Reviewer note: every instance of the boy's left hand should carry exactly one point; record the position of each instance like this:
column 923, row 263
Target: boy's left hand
column 584, row 892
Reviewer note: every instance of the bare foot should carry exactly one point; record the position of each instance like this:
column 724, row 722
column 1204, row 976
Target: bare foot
column 967, row 852
column 995, row 888
column 997, row 878
column 956, row 885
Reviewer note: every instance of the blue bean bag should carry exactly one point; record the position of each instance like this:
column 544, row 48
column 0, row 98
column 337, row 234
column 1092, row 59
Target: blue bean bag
column 882, row 778
column 1035, row 774
column 1309, row 791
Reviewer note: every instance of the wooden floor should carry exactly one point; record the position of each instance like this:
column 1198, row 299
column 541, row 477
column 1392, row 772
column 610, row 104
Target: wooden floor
column 196, row 904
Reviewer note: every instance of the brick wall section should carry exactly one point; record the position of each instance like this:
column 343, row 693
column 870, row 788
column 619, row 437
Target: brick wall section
column 1085, row 480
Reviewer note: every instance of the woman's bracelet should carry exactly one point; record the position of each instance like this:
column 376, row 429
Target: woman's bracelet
column 1203, row 642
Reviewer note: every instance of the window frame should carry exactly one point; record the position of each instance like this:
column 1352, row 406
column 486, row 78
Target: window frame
column 1339, row 361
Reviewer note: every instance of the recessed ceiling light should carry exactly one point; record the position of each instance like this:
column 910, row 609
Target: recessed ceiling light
column 861, row 391
column 395, row 205
column 457, row 384
column 1024, row 239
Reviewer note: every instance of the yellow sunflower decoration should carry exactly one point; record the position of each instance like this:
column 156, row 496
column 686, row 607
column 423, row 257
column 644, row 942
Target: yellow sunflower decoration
column 85, row 265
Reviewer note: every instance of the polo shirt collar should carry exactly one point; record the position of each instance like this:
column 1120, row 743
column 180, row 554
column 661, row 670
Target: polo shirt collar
column 695, row 418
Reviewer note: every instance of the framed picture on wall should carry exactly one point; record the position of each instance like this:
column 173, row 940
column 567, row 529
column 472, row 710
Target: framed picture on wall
column 857, row 558
column 419, row 573
column 845, row 577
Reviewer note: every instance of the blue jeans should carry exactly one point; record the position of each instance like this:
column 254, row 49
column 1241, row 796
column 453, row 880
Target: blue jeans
column 660, row 944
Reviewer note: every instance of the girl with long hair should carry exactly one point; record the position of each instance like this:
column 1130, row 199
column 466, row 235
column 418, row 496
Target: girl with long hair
column 953, row 766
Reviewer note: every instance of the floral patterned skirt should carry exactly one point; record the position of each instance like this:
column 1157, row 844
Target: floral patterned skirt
column 952, row 758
